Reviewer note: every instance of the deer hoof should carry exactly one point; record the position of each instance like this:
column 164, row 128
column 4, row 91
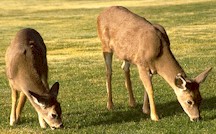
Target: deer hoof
column 146, row 111
column 109, row 105
column 13, row 122
column 132, row 104
column 154, row 118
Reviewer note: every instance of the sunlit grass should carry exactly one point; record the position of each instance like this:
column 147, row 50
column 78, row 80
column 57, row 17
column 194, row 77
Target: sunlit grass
column 75, row 60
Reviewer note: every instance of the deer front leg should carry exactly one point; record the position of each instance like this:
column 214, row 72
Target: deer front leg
column 108, row 62
column 146, row 80
column 126, row 67
column 21, row 103
column 41, row 121
column 13, row 108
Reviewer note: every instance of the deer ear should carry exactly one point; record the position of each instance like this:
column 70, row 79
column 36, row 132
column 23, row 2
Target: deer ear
column 54, row 90
column 39, row 100
column 201, row 77
column 180, row 82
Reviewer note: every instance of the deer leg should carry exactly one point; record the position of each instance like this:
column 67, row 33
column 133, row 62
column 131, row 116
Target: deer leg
column 126, row 67
column 108, row 62
column 21, row 103
column 41, row 121
column 13, row 108
column 146, row 80
column 145, row 108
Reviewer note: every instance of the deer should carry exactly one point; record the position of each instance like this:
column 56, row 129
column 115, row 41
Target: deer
column 135, row 40
column 27, row 73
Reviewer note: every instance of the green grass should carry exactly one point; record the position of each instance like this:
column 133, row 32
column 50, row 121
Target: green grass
column 75, row 60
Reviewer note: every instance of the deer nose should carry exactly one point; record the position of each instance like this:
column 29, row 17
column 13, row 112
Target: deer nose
column 196, row 119
column 61, row 126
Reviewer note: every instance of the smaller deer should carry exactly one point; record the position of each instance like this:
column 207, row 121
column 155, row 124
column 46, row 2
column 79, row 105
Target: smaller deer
column 135, row 40
column 27, row 72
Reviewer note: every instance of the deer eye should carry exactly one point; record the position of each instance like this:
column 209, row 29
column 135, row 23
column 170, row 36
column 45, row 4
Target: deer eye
column 54, row 116
column 189, row 102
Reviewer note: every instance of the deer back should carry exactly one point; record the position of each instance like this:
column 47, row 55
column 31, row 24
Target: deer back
column 135, row 39
column 26, row 60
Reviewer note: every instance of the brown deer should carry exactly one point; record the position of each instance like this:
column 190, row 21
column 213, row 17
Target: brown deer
column 27, row 72
column 135, row 40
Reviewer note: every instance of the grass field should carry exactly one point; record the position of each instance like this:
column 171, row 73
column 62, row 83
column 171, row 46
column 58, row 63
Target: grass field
column 75, row 60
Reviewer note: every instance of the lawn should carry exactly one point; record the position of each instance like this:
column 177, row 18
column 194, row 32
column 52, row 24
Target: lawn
column 75, row 60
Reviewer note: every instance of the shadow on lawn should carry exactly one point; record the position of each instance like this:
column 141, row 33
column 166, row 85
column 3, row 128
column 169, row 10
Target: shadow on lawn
column 164, row 110
column 209, row 104
column 120, row 114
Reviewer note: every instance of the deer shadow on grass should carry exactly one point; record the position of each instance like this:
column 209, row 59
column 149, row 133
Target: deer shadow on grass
column 120, row 114
column 209, row 104
column 167, row 109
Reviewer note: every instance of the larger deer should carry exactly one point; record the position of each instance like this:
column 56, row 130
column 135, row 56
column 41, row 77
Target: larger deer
column 135, row 40
column 27, row 72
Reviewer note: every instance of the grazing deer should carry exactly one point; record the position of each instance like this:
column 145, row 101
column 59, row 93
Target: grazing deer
column 135, row 40
column 27, row 72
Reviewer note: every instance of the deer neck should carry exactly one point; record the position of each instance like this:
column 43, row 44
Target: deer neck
column 168, row 68
column 36, row 106
column 36, row 88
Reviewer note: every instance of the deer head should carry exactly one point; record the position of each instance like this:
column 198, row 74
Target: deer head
column 49, row 107
column 189, row 95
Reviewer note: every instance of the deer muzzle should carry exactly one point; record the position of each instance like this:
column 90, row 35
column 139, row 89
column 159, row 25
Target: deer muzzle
column 196, row 119
column 60, row 126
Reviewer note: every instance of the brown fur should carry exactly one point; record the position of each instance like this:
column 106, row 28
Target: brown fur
column 27, row 72
column 135, row 40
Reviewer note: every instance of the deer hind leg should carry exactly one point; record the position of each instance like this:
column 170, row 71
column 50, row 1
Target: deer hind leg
column 13, row 108
column 145, row 108
column 126, row 67
column 21, row 103
column 108, row 62
column 146, row 80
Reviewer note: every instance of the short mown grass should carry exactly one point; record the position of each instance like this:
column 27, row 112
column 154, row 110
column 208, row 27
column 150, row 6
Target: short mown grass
column 75, row 60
